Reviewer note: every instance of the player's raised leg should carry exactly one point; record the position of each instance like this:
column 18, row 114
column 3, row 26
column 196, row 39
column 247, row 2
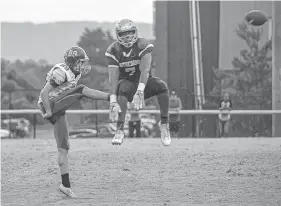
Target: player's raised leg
column 157, row 87
column 66, row 99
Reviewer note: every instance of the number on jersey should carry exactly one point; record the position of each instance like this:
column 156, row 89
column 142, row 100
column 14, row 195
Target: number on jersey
column 131, row 70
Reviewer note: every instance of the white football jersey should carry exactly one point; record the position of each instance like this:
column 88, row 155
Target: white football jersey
column 62, row 78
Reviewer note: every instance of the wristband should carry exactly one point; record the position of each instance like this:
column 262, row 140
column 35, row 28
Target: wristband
column 113, row 98
column 141, row 87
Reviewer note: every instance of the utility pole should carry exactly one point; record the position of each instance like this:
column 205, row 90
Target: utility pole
column 276, row 67
column 195, row 30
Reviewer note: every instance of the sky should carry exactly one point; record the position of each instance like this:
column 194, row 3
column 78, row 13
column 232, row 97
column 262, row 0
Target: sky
column 42, row 11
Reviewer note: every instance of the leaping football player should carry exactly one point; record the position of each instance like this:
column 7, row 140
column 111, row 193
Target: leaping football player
column 60, row 91
column 129, row 60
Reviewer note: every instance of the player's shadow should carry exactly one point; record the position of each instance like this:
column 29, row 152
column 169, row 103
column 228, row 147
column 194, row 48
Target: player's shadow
column 64, row 200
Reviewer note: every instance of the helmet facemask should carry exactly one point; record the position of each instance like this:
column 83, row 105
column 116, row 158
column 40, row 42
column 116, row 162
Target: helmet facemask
column 82, row 66
column 127, row 38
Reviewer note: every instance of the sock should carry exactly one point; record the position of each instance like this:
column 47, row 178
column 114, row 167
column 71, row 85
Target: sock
column 65, row 180
column 120, row 125
column 164, row 101
column 122, row 100
column 164, row 120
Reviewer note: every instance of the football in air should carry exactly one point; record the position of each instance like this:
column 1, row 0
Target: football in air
column 256, row 18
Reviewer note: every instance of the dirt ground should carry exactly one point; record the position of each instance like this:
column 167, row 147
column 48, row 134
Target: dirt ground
column 143, row 172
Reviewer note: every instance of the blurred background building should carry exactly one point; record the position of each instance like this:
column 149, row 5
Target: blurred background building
column 220, row 44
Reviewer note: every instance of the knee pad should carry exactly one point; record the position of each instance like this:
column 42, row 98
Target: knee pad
column 163, row 87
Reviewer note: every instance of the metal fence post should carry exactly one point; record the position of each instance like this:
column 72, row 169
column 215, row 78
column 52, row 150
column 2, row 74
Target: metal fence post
column 10, row 107
column 97, row 119
column 34, row 126
column 276, row 67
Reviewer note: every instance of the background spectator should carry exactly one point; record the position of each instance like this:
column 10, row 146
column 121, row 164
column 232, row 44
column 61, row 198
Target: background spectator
column 175, row 105
column 225, row 106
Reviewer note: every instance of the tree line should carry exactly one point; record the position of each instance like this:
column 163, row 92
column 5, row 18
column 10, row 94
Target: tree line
column 249, row 83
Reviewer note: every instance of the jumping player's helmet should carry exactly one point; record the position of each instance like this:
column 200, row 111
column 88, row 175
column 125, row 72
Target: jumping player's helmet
column 126, row 33
column 77, row 59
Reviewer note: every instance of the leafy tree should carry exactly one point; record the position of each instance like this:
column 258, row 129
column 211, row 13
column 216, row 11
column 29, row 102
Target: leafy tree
column 17, row 90
column 95, row 43
column 4, row 64
column 255, row 69
column 250, row 82
column 8, row 86
column 42, row 62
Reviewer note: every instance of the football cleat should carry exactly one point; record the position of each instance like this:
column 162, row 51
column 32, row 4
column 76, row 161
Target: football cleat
column 165, row 134
column 118, row 138
column 67, row 191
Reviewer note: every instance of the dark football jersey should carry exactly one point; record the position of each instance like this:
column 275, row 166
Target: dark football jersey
column 225, row 104
column 128, row 59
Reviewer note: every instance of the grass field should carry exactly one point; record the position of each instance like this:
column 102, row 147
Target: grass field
column 143, row 172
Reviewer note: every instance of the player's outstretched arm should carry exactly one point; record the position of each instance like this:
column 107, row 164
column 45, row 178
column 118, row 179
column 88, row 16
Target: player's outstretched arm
column 138, row 99
column 113, row 81
column 113, row 72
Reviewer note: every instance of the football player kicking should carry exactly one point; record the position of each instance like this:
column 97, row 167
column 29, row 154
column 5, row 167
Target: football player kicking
column 129, row 60
column 60, row 91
